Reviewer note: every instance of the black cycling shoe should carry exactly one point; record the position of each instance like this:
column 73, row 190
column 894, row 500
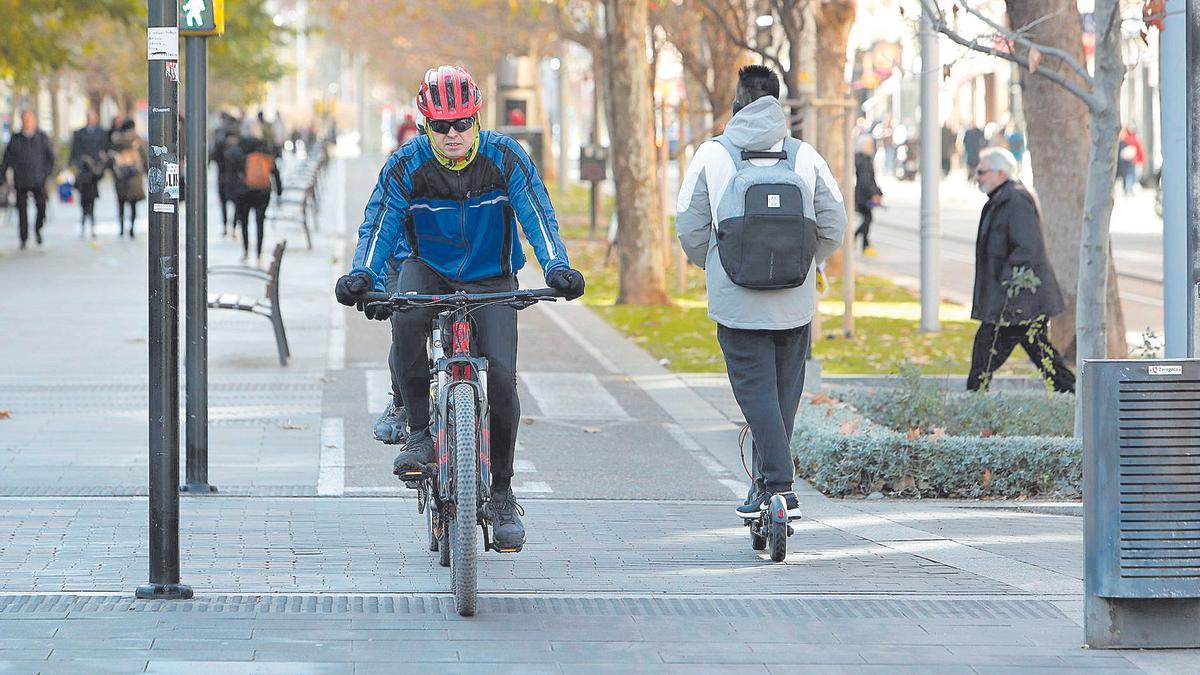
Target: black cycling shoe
column 756, row 501
column 417, row 456
column 391, row 425
column 504, row 513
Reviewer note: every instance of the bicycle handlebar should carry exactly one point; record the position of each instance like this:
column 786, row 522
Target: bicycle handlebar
column 459, row 298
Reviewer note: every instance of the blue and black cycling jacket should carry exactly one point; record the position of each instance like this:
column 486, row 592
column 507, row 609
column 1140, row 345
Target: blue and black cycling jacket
column 461, row 223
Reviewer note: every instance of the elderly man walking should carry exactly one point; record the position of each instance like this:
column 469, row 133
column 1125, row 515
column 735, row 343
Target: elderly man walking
column 1015, row 289
column 31, row 157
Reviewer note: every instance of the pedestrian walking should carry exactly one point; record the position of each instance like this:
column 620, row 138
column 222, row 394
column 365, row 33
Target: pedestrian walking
column 89, row 155
column 257, row 174
column 1130, row 155
column 973, row 141
column 130, row 162
column 1016, row 144
column 30, row 155
column 758, row 210
column 866, row 191
column 229, row 158
column 1012, row 307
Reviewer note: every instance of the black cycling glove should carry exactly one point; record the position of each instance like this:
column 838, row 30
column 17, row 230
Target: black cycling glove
column 567, row 281
column 380, row 311
column 351, row 287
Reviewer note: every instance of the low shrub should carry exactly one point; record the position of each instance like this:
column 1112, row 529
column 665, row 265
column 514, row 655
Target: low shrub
column 927, row 405
column 843, row 453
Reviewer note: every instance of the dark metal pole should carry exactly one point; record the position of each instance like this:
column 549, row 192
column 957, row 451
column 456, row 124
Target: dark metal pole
column 1193, row 166
column 196, row 361
column 163, row 75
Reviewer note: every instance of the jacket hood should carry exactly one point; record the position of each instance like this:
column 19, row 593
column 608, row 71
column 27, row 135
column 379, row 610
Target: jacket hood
column 759, row 125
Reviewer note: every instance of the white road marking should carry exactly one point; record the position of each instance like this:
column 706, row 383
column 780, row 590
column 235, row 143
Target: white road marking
column 583, row 342
column 336, row 359
column 573, row 395
column 379, row 388
column 331, row 478
column 532, row 487
column 738, row 489
column 704, row 459
column 523, row 466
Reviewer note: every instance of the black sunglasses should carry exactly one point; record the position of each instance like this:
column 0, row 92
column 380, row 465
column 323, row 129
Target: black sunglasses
column 459, row 125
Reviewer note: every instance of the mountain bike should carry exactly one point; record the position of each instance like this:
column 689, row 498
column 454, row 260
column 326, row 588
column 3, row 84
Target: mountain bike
column 455, row 496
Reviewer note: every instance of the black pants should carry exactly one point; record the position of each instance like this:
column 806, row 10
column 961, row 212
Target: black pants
column 766, row 371
column 39, row 202
column 121, row 214
column 224, row 197
column 864, row 230
column 495, row 334
column 256, row 200
column 392, row 285
column 994, row 344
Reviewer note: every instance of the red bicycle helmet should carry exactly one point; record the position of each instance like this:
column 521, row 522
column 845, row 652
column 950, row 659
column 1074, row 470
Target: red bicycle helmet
column 448, row 93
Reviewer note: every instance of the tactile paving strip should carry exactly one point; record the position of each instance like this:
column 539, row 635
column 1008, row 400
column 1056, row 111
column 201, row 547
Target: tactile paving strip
column 810, row 608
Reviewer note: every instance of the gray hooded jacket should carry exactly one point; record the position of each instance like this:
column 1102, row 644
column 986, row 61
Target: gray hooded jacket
column 759, row 126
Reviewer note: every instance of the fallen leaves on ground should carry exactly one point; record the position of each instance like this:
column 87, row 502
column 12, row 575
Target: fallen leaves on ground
column 293, row 426
column 5, row 414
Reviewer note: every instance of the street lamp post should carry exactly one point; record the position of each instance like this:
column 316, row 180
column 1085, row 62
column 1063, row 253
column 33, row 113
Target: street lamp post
column 200, row 19
column 163, row 87
column 930, row 163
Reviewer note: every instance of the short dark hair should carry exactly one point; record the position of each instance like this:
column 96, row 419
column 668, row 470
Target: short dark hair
column 756, row 81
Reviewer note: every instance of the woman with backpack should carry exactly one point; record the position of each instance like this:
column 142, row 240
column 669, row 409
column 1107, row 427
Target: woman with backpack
column 257, row 173
column 130, row 161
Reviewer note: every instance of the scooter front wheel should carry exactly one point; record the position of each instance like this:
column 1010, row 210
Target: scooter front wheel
column 777, row 529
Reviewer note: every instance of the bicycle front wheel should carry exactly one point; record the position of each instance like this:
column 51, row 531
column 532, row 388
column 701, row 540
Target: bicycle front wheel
column 464, row 532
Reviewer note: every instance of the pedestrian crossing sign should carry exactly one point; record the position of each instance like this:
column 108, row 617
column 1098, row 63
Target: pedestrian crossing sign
column 201, row 17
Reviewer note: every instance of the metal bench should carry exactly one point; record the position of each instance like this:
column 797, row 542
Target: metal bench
column 267, row 307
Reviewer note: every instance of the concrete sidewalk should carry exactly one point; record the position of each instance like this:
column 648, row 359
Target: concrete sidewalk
column 312, row 559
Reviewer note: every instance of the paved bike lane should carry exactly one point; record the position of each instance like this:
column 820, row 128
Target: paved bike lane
column 634, row 562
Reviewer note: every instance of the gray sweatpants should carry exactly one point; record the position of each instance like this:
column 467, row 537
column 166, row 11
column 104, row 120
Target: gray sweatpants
column 766, row 370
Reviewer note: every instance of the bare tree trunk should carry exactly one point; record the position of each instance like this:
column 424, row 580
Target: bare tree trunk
column 54, row 84
column 834, row 19
column 1094, row 253
column 726, row 58
column 642, row 278
column 1059, row 143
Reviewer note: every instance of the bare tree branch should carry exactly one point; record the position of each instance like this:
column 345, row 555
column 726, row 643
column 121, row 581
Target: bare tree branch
column 739, row 40
column 1087, row 95
column 1014, row 36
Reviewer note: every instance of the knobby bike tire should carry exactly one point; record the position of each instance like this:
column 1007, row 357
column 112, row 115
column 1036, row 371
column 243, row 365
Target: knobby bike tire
column 464, row 533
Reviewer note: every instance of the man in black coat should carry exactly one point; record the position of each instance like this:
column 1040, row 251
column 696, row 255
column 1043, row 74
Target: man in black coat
column 31, row 157
column 89, row 156
column 1015, row 289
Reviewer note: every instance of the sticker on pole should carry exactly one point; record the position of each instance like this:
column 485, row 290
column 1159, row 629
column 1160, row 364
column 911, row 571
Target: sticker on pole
column 1166, row 370
column 160, row 207
column 171, row 186
column 172, row 70
column 162, row 43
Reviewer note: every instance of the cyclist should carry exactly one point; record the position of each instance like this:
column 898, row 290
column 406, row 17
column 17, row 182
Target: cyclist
column 445, row 209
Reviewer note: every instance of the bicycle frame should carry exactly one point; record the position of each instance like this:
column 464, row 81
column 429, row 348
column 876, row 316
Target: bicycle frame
column 458, row 367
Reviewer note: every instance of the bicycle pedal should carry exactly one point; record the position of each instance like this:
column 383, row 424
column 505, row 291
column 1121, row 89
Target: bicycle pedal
column 507, row 550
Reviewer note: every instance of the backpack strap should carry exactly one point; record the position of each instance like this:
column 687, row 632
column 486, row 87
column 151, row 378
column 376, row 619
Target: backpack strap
column 763, row 154
column 741, row 157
